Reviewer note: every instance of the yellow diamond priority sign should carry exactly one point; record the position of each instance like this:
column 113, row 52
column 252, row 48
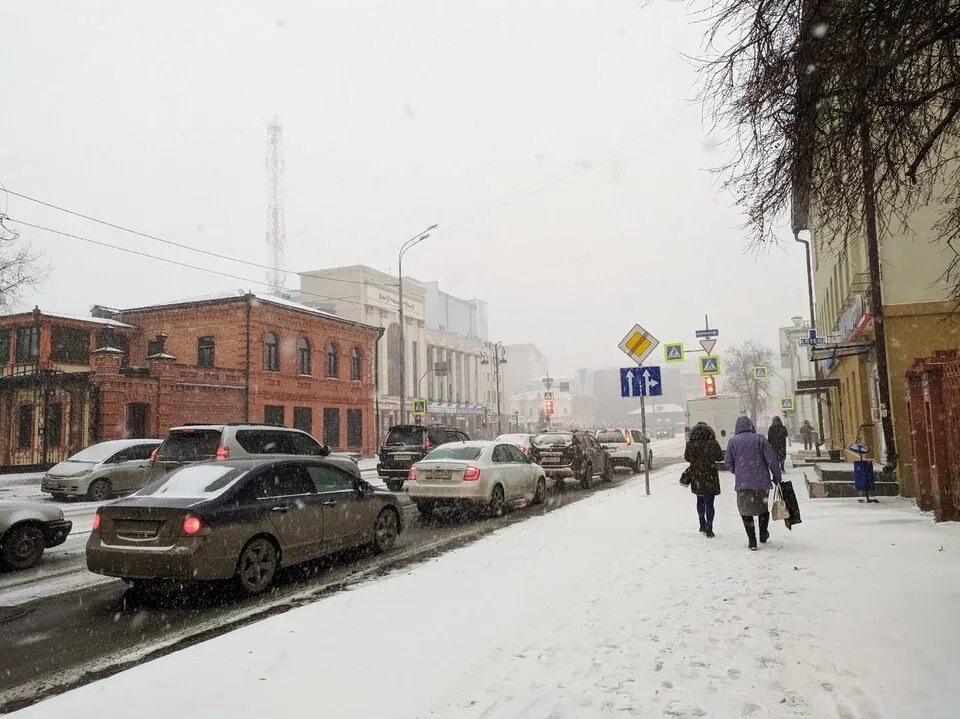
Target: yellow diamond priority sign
column 638, row 344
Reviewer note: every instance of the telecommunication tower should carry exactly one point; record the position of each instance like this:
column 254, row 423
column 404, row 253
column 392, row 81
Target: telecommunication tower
column 276, row 226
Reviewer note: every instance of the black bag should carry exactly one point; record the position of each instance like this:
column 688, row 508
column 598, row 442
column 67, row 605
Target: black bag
column 685, row 477
column 790, row 497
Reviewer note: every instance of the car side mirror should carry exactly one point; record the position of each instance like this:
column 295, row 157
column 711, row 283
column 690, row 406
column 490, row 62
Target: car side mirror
column 324, row 450
column 363, row 488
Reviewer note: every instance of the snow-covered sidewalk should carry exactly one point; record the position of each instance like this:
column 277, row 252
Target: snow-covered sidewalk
column 614, row 606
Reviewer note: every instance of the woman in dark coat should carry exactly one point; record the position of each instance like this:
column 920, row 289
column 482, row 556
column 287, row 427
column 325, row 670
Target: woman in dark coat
column 777, row 437
column 703, row 452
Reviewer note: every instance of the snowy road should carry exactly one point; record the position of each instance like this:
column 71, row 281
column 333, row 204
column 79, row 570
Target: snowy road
column 53, row 635
column 611, row 606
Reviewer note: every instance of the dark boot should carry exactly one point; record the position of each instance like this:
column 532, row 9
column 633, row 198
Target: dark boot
column 751, row 532
column 764, row 525
column 703, row 525
column 709, row 530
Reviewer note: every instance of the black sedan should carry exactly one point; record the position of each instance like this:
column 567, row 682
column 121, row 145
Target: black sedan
column 240, row 519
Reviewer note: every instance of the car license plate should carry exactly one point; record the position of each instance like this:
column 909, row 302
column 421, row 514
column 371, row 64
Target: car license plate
column 551, row 460
column 438, row 474
column 403, row 456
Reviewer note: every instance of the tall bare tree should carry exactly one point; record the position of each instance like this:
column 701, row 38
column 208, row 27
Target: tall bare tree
column 847, row 108
column 739, row 379
column 20, row 266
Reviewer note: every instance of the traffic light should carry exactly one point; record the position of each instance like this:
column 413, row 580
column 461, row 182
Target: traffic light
column 710, row 386
column 548, row 407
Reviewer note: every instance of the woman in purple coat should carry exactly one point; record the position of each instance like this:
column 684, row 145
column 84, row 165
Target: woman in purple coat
column 752, row 461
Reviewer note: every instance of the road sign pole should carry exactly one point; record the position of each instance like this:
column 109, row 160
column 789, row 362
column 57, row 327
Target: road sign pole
column 646, row 445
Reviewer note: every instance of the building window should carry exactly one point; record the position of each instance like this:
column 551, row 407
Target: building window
column 109, row 338
column 303, row 419
column 156, row 347
column 4, row 346
column 206, row 349
column 273, row 415
column 354, row 427
column 331, row 427
column 303, row 356
column 70, row 345
column 356, row 364
column 54, row 425
column 271, row 353
column 137, row 420
column 333, row 360
column 28, row 343
column 25, row 427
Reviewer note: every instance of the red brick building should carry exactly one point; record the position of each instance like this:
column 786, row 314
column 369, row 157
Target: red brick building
column 66, row 382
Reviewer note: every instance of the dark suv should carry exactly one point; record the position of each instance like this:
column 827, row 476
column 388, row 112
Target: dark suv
column 571, row 454
column 407, row 444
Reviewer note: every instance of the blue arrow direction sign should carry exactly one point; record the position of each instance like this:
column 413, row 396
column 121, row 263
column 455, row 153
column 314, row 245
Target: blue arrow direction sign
column 640, row 382
column 707, row 333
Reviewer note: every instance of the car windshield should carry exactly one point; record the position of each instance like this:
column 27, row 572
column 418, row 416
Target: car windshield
column 454, row 452
column 549, row 439
column 405, row 435
column 203, row 481
column 186, row 445
column 96, row 453
column 613, row 435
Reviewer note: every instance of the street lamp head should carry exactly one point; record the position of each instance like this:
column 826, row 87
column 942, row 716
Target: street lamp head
column 484, row 360
column 503, row 360
column 432, row 227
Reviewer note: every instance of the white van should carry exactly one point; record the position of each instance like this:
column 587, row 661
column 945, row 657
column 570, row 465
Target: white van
column 720, row 413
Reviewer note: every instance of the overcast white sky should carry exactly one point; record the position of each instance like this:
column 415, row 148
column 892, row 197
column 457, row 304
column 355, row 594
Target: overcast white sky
column 556, row 144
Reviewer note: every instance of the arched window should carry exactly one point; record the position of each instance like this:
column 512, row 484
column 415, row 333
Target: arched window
column 333, row 360
column 271, row 352
column 303, row 356
column 356, row 364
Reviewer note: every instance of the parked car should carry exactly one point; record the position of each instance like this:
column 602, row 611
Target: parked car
column 201, row 442
column 26, row 529
column 624, row 445
column 240, row 519
column 522, row 441
column 571, row 454
column 409, row 443
column 492, row 475
column 103, row 469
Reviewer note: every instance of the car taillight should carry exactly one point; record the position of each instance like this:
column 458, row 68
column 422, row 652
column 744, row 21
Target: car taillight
column 192, row 524
column 96, row 522
column 412, row 474
column 153, row 455
column 524, row 449
column 471, row 473
column 428, row 444
column 223, row 453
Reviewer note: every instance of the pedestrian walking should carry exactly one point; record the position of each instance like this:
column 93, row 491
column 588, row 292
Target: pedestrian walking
column 777, row 437
column 806, row 434
column 703, row 452
column 752, row 461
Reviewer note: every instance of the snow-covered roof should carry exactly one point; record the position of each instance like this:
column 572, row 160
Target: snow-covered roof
column 93, row 320
column 240, row 293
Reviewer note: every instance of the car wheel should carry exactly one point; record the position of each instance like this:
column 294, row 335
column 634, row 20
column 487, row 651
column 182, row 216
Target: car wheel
column 497, row 501
column 586, row 477
column 22, row 547
column 257, row 565
column 636, row 465
column 394, row 485
column 98, row 490
column 386, row 529
column 541, row 493
column 607, row 475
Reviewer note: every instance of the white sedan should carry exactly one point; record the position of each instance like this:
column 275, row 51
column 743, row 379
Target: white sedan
column 492, row 475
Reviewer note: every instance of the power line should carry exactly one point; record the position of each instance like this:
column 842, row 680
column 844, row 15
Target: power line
column 167, row 260
column 171, row 242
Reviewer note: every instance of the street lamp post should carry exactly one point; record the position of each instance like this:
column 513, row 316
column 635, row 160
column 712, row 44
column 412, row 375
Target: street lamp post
column 416, row 239
column 496, row 353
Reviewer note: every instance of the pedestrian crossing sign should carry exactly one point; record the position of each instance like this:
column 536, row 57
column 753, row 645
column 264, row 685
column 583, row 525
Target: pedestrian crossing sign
column 787, row 404
column 709, row 365
column 419, row 406
column 673, row 352
column 760, row 372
